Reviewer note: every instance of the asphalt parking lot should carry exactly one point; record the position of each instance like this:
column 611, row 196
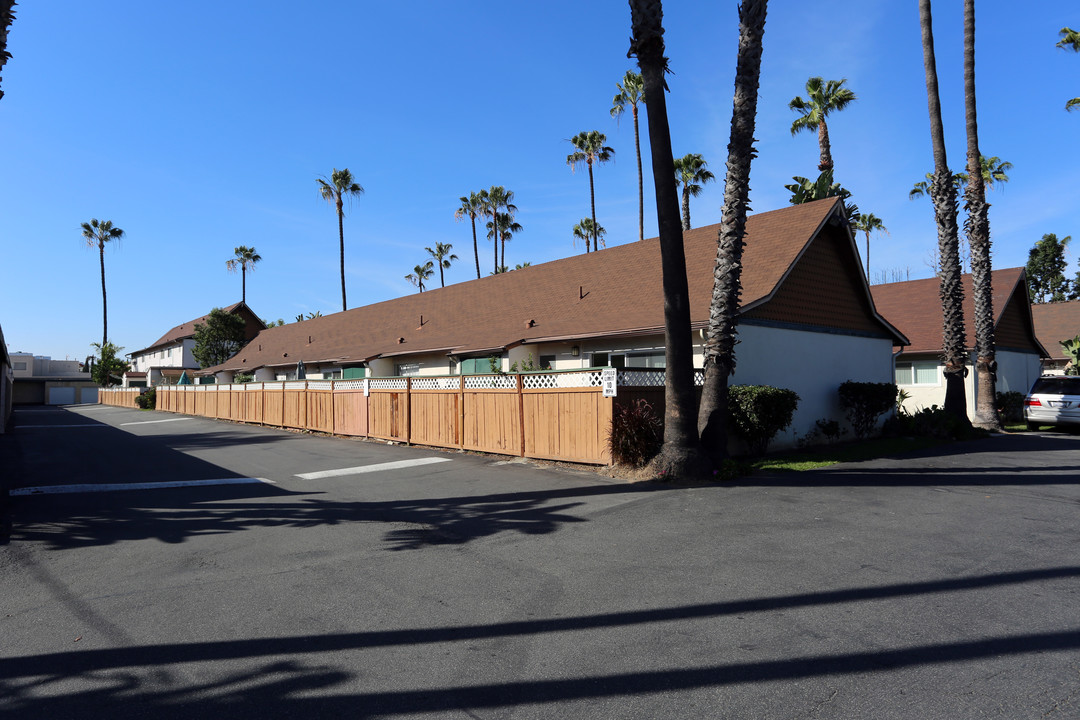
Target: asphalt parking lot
column 160, row 566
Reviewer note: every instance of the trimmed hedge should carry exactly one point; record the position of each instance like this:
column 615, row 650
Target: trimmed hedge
column 865, row 402
column 759, row 412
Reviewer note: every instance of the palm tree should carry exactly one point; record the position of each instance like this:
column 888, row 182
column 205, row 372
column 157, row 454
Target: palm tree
column 97, row 234
column 334, row 190
column 471, row 207
column 994, row 171
column 869, row 223
column 680, row 455
column 977, row 227
column 492, row 200
column 691, row 173
column 585, row 230
column 501, row 230
column 590, row 151
column 1070, row 39
column 421, row 273
column 825, row 97
column 632, row 93
column 442, row 257
column 7, row 16
column 942, row 191
column 246, row 257
column 727, row 275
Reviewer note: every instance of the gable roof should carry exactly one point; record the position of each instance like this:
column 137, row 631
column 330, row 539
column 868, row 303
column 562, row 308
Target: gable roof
column 1055, row 322
column 187, row 330
column 914, row 306
column 615, row 291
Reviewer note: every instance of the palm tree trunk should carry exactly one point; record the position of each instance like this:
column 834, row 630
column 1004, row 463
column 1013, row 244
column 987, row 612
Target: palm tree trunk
column 341, row 239
column 867, row 257
column 475, row 247
column 502, row 241
column 943, row 195
column 640, row 178
column 442, row 280
column 243, row 283
column 978, row 233
column 685, row 208
column 104, row 300
column 592, row 200
column 680, row 455
column 825, row 161
column 727, row 274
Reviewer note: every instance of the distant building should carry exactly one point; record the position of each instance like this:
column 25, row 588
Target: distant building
column 40, row 380
column 1055, row 322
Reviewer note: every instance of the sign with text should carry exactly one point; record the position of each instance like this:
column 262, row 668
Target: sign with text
column 609, row 382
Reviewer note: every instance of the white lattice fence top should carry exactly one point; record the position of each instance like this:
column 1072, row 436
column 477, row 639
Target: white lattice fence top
column 699, row 378
column 320, row 385
column 349, row 385
column 388, row 383
column 489, row 382
column 652, row 378
column 589, row 378
column 436, row 383
column 294, row 384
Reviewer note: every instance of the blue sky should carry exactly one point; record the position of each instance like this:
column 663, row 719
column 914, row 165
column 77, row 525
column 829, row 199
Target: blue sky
column 197, row 127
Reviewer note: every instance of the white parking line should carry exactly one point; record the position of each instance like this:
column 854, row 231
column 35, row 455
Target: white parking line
column 398, row 464
column 152, row 422
column 117, row 487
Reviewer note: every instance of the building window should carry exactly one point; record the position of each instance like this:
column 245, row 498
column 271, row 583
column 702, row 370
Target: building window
column 453, row 366
column 919, row 372
column 331, row 375
column 20, row 366
column 547, row 362
column 650, row 360
column 406, row 369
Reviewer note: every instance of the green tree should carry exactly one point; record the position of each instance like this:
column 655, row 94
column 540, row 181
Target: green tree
column 691, row 173
column 219, row 338
column 977, row 229
column 503, row 228
column 98, row 234
column 334, row 190
column 421, row 273
column 472, row 206
column 585, row 230
column 722, row 333
column 680, row 455
column 1070, row 40
column 442, row 257
column 943, row 195
column 107, row 369
column 590, row 151
column 824, row 97
column 868, row 223
column 631, row 93
column 1046, row 269
column 7, row 16
column 493, row 200
column 246, row 257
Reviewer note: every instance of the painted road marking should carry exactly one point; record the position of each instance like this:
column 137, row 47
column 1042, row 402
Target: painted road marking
column 151, row 422
column 370, row 468
column 117, row 487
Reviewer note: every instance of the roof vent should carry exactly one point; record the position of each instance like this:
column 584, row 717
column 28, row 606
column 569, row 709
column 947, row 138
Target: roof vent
column 401, row 340
column 284, row 354
column 530, row 323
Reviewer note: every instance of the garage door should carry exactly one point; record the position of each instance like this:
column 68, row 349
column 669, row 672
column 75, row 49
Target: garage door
column 61, row 395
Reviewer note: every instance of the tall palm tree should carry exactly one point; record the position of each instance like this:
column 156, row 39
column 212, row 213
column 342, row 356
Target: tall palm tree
column 421, row 273
column 824, row 97
column 471, row 207
column 631, row 92
column 585, row 230
column 722, row 331
column 943, row 194
column 492, row 201
column 1070, row 39
column 994, row 172
column 869, row 223
column 335, row 189
column 501, row 229
column 442, row 257
column 590, row 151
column 7, row 16
column 246, row 257
column 680, row 455
column 692, row 174
column 97, row 234
column 977, row 227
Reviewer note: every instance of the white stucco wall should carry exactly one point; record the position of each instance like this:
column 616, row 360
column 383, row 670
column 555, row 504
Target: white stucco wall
column 1017, row 372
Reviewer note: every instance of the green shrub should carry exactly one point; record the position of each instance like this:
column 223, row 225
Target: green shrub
column 865, row 402
column 636, row 433
column 147, row 400
column 825, row 431
column 932, row 422
column 1011, row 406
column 758, row 412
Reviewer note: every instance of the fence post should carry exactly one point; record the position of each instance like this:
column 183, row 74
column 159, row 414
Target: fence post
column 461, row 412
column 521, row 413
column 408, row 410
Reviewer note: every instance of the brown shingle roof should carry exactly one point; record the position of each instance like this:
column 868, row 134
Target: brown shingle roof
column 1055, row 322
column 915, row 307
column 187, row 330
column 612, row 291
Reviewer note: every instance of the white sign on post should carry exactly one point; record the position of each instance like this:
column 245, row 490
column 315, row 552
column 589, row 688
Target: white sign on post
column 609, row 382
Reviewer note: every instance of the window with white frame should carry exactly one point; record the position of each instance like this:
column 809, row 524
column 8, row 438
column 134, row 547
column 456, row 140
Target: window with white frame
column 918, row 372
column 651, row 360
column 405, row 369
column 331, row 375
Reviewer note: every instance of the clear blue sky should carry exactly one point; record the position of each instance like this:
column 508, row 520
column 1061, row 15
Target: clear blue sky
column 197, row 127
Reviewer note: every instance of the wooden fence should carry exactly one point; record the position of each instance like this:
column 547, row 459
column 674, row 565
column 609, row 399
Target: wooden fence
column 120, row 397
column 553, row 416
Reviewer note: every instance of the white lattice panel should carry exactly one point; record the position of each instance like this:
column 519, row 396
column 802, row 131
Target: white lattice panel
column 389, row 383
column 320, row 385
column 294, row 384
column 590, row 378
column 349, row 385
column 641, row 378
column 436, row 383
column 490, row 382
column 699, row 378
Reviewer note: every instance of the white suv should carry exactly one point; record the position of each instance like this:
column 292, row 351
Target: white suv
column 1053, row 400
